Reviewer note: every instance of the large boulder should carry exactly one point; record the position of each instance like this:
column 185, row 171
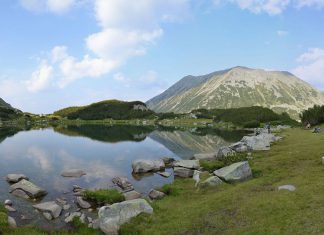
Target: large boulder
column 112, row 217
column 73, row 173
column 260, row 142
column 51, row 208
column 28, row 188
column 123, row 183
column 236, row 172
column 190, row 164
column 183, row 172
column 224, row 152
column 240, row 147
column 142, row 166
column 212, row 181
column 14, row 178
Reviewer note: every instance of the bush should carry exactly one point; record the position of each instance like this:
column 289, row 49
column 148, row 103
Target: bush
column 211, row 165
column 314, row 115
column 169, row 189
column 103, row 196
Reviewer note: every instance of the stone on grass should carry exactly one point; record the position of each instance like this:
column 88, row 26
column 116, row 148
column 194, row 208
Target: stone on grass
column 82, row 203
column 74, row 173
column 131, row 195
column 155, row 195
column 30, row 189
column 323, row 160
column 190, row 164
column 8, row 202
column 142, row 166
column 290, row 188
column 123, row 183
column 10, row 208
column 236, row 172
column 212, row 181
column 183, row 172
column 224, row 152
column 12, row 222
column 14, row 178
column 49, row 207
column 71, row 216
column 113, row 216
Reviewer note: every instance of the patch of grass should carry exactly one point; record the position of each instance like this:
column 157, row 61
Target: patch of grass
column 254, row 206
column 103, row 196
column 211, row 165
column 169, row 190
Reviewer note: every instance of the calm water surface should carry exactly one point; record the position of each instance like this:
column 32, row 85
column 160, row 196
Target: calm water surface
column 103, row 152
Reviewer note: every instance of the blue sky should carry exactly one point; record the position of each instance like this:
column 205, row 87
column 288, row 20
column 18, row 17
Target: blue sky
column 57, row 53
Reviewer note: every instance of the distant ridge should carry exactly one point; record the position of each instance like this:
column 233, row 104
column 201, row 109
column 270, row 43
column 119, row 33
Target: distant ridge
column 237, row 87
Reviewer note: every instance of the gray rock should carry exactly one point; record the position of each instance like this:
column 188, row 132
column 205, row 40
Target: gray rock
column 112, row 217
column 76, row 188
column 168, row 161
column 8, row 202
column 71, row 216
column 290, row 188
column 10, row 208
column 260, row 142
column 12, row 222
column 190, row 164
column 47, row 215
column 95, row 224
column 155, row 195
column 83, row 218
column 131, row 195
column 164, row 174
column 212, row 181
column 240, row 147
column 123, row 183
column 236, row 172
column 205, row 156
column 14, row 178
column 183, row 172
column 50, row 207
column 75, row 173
column 29, row 188
column 20, row 193
column 82, row 203
column 142, row 166
column 224, row 152
column 66, row 207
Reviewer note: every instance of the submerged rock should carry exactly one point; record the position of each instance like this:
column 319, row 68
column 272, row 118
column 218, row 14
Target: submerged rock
column 112, row 217
column 155, row 195
column 183, row 172
column 75, row 173
column 14, row 178
column 49, row 207
column 123, row 183
column 190, row 164
column 142, row 166
column 236, row 172
column 27, row 189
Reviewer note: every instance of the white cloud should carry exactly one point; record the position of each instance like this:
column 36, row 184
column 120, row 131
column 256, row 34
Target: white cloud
column 311, row 67
column 282, row 33
column 55, row 6
column 310, row 3
column 272, row 7
column 41, row 78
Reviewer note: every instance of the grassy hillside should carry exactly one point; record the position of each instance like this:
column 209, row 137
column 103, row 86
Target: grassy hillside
column 255, row 206
column 110, row 109
column 246, row 117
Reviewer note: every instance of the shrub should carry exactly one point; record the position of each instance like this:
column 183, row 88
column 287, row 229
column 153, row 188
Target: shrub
column 211, row 165
column 314, row 115
column 169, row 189
column 103, row 196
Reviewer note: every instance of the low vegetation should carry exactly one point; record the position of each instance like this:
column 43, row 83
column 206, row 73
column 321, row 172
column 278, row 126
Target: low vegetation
column 103, row 196
column 212, row 165
column 248, row 117
column 314, row 115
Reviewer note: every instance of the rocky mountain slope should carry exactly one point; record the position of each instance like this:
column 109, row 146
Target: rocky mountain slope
column 239, row 87
column 3, row 104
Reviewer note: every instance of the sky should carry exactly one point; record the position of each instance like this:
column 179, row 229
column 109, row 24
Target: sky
column 59, row 53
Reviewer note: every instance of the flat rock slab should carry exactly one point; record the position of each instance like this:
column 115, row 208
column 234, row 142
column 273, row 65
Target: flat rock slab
column 14, row 178
column 112, row 217
column 205, row 156
column 189, row 164
column 290, row 188
column 183, row 172
column 168, row 161
column 131, row 195
column 49, row 207
column 236, row 172
column 74, row 173
column 164, row 174
column 142, row 166
column 30, row 189
column 123, row 183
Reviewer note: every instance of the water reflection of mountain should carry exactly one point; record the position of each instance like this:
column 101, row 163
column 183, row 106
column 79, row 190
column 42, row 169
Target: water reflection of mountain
column 111, row 134
column 185, row 144
column 6, row 132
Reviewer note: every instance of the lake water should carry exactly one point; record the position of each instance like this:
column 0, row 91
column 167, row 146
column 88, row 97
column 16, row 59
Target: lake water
column 103, row 152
